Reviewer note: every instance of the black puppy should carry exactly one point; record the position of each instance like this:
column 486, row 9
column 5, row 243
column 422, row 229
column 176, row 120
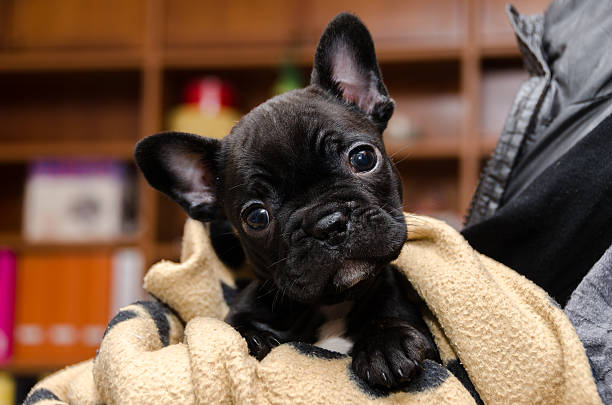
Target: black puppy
column 305, row 183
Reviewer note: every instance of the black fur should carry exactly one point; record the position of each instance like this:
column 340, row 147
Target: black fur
column 226, row 244
column 157, row 311
column 455, row 367
column 315, row 351
column 41, row 394
column 121, row 316
column 333, row 229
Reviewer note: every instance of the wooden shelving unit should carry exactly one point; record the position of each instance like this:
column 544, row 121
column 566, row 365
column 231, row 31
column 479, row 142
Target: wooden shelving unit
column 95, row 83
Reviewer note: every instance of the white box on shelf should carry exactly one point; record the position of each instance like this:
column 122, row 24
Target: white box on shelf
column 74, row 201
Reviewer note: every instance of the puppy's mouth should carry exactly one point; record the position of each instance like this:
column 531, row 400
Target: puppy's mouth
column 353, row 271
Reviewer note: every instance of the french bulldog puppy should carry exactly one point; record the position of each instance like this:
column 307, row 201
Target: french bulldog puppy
column 316, row 204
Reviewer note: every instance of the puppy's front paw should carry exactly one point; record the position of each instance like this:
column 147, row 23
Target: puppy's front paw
column 389, row 354
column 260, row 342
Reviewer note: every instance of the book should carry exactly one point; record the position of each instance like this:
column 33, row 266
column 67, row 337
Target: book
column 126, row 279
column 65, row 318
column 96, row 316
column 8, row 273
column 34, row 297
column 61, row 307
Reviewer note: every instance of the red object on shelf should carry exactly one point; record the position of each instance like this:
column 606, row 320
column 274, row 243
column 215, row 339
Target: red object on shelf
column 207, row 108
column 210, row 93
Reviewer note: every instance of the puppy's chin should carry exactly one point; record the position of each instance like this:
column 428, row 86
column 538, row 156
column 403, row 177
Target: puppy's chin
column 348, row 278
column 351, row 272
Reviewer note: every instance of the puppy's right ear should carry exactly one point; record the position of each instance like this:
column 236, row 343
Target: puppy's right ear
column 182, row 166
column 345, row 64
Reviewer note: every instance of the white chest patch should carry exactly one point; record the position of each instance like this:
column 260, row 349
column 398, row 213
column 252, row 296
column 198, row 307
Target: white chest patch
column 331, row 334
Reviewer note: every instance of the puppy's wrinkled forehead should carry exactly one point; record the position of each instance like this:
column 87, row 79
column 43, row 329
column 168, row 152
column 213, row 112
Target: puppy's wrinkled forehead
column 294, row 133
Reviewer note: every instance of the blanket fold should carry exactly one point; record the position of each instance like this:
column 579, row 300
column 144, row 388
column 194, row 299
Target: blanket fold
column 501, row 340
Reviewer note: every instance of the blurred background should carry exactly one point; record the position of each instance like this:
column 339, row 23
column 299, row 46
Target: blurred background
column 82, row 80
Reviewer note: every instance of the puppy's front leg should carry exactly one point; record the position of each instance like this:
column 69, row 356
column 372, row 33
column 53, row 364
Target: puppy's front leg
column 391, row 339
column 266, row 319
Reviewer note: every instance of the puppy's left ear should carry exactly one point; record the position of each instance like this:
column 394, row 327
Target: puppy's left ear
column 345, row 64
column 184, row 167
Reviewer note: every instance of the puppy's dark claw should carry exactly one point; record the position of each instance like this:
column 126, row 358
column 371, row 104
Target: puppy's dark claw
column 259, row 342
column 255, row 341
column 384, row 378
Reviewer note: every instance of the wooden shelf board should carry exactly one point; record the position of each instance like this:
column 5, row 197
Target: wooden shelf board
column 393, row 52
column 167, row 250
column 229, row 57
column 500, row 50
column 27, row 150
column 15, row 241
column 425, row 148
column 487, row 145
column 272, row 56
column 44, row 60
column 204, row 57
column 10, row 239
column 388, row 55
column 21, row 367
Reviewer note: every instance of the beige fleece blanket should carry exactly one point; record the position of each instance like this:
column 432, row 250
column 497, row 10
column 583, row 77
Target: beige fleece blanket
column 501, row 338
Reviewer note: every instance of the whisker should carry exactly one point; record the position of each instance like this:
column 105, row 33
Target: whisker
column 400, row 150
column 278, row 261
column 288, row 288
column 274, row 300
column 225, row 234
column 267, row 292
column 237, row 185
column 402, row 159
column 387, row 205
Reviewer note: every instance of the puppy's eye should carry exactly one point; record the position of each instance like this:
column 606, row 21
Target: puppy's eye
column 362, row 158
column 257, row 218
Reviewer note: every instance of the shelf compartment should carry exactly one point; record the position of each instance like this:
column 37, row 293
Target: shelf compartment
column 500, row 81
column 170, row 222
column 253, row 86
column 409, row 24
column 427, row 94
column 11, row 203
column 69, row 106
column 36, row 24
column 495, row 34
column 430, row 188
column 422, row 148
column 199, row 23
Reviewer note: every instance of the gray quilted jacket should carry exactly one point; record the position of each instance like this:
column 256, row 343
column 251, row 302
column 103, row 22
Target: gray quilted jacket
column 568, row 55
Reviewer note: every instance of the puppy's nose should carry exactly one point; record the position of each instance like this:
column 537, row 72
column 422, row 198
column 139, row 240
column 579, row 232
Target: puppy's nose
column 331, row 228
